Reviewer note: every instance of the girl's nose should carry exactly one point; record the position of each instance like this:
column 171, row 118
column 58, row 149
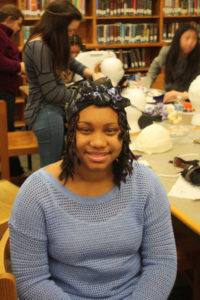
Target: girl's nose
column 98, row 140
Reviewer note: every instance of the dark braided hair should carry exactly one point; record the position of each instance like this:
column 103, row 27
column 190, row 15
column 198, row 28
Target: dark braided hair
column 122, row 166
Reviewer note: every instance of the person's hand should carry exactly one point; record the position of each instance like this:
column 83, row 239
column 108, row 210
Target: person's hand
column 96, row 76
column 175, row 96
column 22, row 67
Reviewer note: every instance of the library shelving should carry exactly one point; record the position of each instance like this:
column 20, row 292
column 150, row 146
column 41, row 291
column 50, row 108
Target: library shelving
column 123, row 25
column 146, row 22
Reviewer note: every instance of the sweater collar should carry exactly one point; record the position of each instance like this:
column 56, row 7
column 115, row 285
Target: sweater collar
column 7, row 29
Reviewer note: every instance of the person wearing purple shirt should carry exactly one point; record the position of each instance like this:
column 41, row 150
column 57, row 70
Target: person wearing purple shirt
column 11, row 20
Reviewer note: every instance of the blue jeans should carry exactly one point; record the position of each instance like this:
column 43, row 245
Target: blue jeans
column 49, row 130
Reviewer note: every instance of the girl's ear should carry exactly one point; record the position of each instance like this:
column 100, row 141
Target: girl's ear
column 8, row 20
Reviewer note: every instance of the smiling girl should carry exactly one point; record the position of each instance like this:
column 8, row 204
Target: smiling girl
column 95, row 225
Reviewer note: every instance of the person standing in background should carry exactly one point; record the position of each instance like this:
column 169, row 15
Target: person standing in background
column 11, row 19
column 181, row 62
column 47, row 58
column 76, row 45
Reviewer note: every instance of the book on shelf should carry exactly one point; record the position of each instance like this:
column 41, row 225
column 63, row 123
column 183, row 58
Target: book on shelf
column 134, row 61
column 127, row 33
column 132, row 58
column 138, row 57
column 125, row 59
column 105, row 8
column 181, row 7
column 142, row 55
column 119, row 54
column 80, row 4
column 169, row 29
column 35, row 8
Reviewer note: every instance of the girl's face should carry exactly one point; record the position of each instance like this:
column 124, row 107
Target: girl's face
column 97, row 142
column 75, row 50
column 72, row 27
column 188, row 42
column 15, row 25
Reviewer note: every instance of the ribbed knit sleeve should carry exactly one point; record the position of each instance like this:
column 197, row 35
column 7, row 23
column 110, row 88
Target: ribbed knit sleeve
column 158, row 248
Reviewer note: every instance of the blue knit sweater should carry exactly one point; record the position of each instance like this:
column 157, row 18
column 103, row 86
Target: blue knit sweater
column 119, row 245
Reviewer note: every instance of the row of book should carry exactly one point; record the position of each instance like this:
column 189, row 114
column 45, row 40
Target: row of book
column 105, row 8
column 169, row 29
column 35, row 8
column 80, row 4
column 132, row 58
column 119, row 33
column 181, row 7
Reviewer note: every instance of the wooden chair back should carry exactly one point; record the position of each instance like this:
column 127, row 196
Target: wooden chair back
column 8, row 290
column 8, row 192
column 159, row 82
column 13, row 143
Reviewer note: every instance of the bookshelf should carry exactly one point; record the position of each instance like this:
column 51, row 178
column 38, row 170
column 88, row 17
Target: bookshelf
column 162, row 14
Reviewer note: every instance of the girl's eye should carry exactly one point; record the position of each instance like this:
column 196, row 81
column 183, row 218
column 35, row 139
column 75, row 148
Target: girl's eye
column 111, row 131
column 84, row 130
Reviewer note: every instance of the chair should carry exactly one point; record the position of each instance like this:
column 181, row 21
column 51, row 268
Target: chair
column 188, row 254
column 8, row 290
column 8, row 192
column 13, row 143
column 159, row 82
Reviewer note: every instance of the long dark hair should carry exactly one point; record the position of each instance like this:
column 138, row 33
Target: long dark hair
column 173, row 54
column 53, row 28
column 10, row 10
column 122, row 166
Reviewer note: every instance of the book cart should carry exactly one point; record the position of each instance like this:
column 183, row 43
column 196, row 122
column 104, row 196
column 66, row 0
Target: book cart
column 134, row 29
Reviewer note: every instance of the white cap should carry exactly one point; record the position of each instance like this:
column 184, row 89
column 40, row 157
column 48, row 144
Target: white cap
column 113, row 69
column 153, row 139
column 136, row 96
column 194, row 92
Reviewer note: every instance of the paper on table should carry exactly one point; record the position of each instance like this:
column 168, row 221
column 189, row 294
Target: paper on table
column 184, row 189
